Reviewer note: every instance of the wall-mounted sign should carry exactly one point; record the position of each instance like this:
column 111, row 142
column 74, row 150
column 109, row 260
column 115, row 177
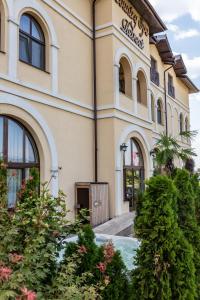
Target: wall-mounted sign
column 128, row 27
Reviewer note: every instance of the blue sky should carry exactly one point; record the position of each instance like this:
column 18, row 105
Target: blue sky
column 182, row 18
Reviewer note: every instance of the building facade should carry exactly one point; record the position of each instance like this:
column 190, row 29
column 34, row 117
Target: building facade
column 73, row 99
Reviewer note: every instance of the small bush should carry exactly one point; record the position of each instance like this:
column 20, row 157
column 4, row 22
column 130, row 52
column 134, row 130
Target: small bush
column 103, row 262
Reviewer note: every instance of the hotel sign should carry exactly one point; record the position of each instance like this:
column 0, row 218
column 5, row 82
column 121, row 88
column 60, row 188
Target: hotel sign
column 128, row 27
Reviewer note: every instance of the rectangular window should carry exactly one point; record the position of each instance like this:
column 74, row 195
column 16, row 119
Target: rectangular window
column 153, row 64
column 171, row 89
column 155, row 78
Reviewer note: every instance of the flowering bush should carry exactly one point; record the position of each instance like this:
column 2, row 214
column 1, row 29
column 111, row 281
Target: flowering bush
column 31, row 238
column 103, row 262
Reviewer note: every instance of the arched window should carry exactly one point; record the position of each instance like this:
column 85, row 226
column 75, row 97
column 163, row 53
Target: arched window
column 133, row 172
column 159, row 112
column 31, row 42
column 152, row 108
column 181, row 123
column 19, row 152
column 125, row 78
column 141, row 88
column 121, row 79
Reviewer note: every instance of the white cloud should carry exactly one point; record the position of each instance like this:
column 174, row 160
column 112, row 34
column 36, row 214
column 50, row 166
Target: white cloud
column 182, row 34
column 172, row 9
column 193, row 65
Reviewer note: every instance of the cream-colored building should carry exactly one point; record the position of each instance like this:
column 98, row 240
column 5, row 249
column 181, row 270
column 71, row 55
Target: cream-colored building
column 72, row 98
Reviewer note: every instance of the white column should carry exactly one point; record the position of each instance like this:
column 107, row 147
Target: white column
column 54, row 70
column 172, row 124
column 156, row 115
column 134, row 89
column 13, row 45
column 149, row 104
column 116, row 84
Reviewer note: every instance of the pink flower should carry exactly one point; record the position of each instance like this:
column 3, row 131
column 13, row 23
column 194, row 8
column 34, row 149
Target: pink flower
column 102, row 267
column 109, row 252
column 23, row 186
column 82, row 249
column 31, row 178
column 5, row 273
column 30, row 295
column 15, row 258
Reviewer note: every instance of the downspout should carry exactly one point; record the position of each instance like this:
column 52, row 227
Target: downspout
column 165, row 89
column 95, row 91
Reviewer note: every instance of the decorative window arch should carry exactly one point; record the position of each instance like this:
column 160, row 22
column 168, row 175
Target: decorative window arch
column 19, row 152
column 181, row 129
column 125, row 77
column 141, row 88
column 152, row 108
column 31, row 42
column 159, row 112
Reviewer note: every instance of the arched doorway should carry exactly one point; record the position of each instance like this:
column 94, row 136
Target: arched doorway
column 19, row 152
column 134, row 172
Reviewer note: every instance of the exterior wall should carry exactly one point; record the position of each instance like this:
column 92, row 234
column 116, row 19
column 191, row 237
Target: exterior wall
column 57, row 105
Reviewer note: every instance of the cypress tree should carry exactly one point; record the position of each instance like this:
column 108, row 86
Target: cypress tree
column 187, row 195
column 164, row 261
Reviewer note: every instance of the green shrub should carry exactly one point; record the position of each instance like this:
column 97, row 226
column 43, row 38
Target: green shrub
column 103, row 262
column 31, row 238
column 196, row 189
column 187, row 216
column 165, row 268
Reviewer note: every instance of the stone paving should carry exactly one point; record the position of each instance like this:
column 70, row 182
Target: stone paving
column 121, row 225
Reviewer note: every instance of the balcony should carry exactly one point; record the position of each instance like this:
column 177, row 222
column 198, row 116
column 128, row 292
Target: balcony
column 171, row 91
column 155, row 77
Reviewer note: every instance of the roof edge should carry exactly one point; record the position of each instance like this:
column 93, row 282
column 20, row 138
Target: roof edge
column 193, row 89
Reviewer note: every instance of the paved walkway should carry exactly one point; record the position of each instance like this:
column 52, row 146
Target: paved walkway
column 117, row 226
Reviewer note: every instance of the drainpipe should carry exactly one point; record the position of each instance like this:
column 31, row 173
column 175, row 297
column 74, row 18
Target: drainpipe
column 95, row 91
column 165, row 89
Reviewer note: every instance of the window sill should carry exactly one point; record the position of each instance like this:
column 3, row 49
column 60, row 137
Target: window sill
column 144, row 105
column 124, row 95
column 26, row 63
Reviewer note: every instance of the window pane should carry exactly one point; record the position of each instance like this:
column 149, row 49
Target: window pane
column 37, row 55
column 128, row 154
column 14, row 180
column 36, row 32
column 135, row 155
column 15, row 142
column 1, row 137
column 29, row 154
column 23, row 49
column 25, row 24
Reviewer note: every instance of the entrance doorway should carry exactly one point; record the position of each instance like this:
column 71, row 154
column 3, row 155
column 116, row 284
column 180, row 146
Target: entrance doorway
column 133, row 173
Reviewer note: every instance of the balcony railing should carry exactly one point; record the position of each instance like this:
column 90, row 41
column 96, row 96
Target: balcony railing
column 155, row 77
column 171, row 91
